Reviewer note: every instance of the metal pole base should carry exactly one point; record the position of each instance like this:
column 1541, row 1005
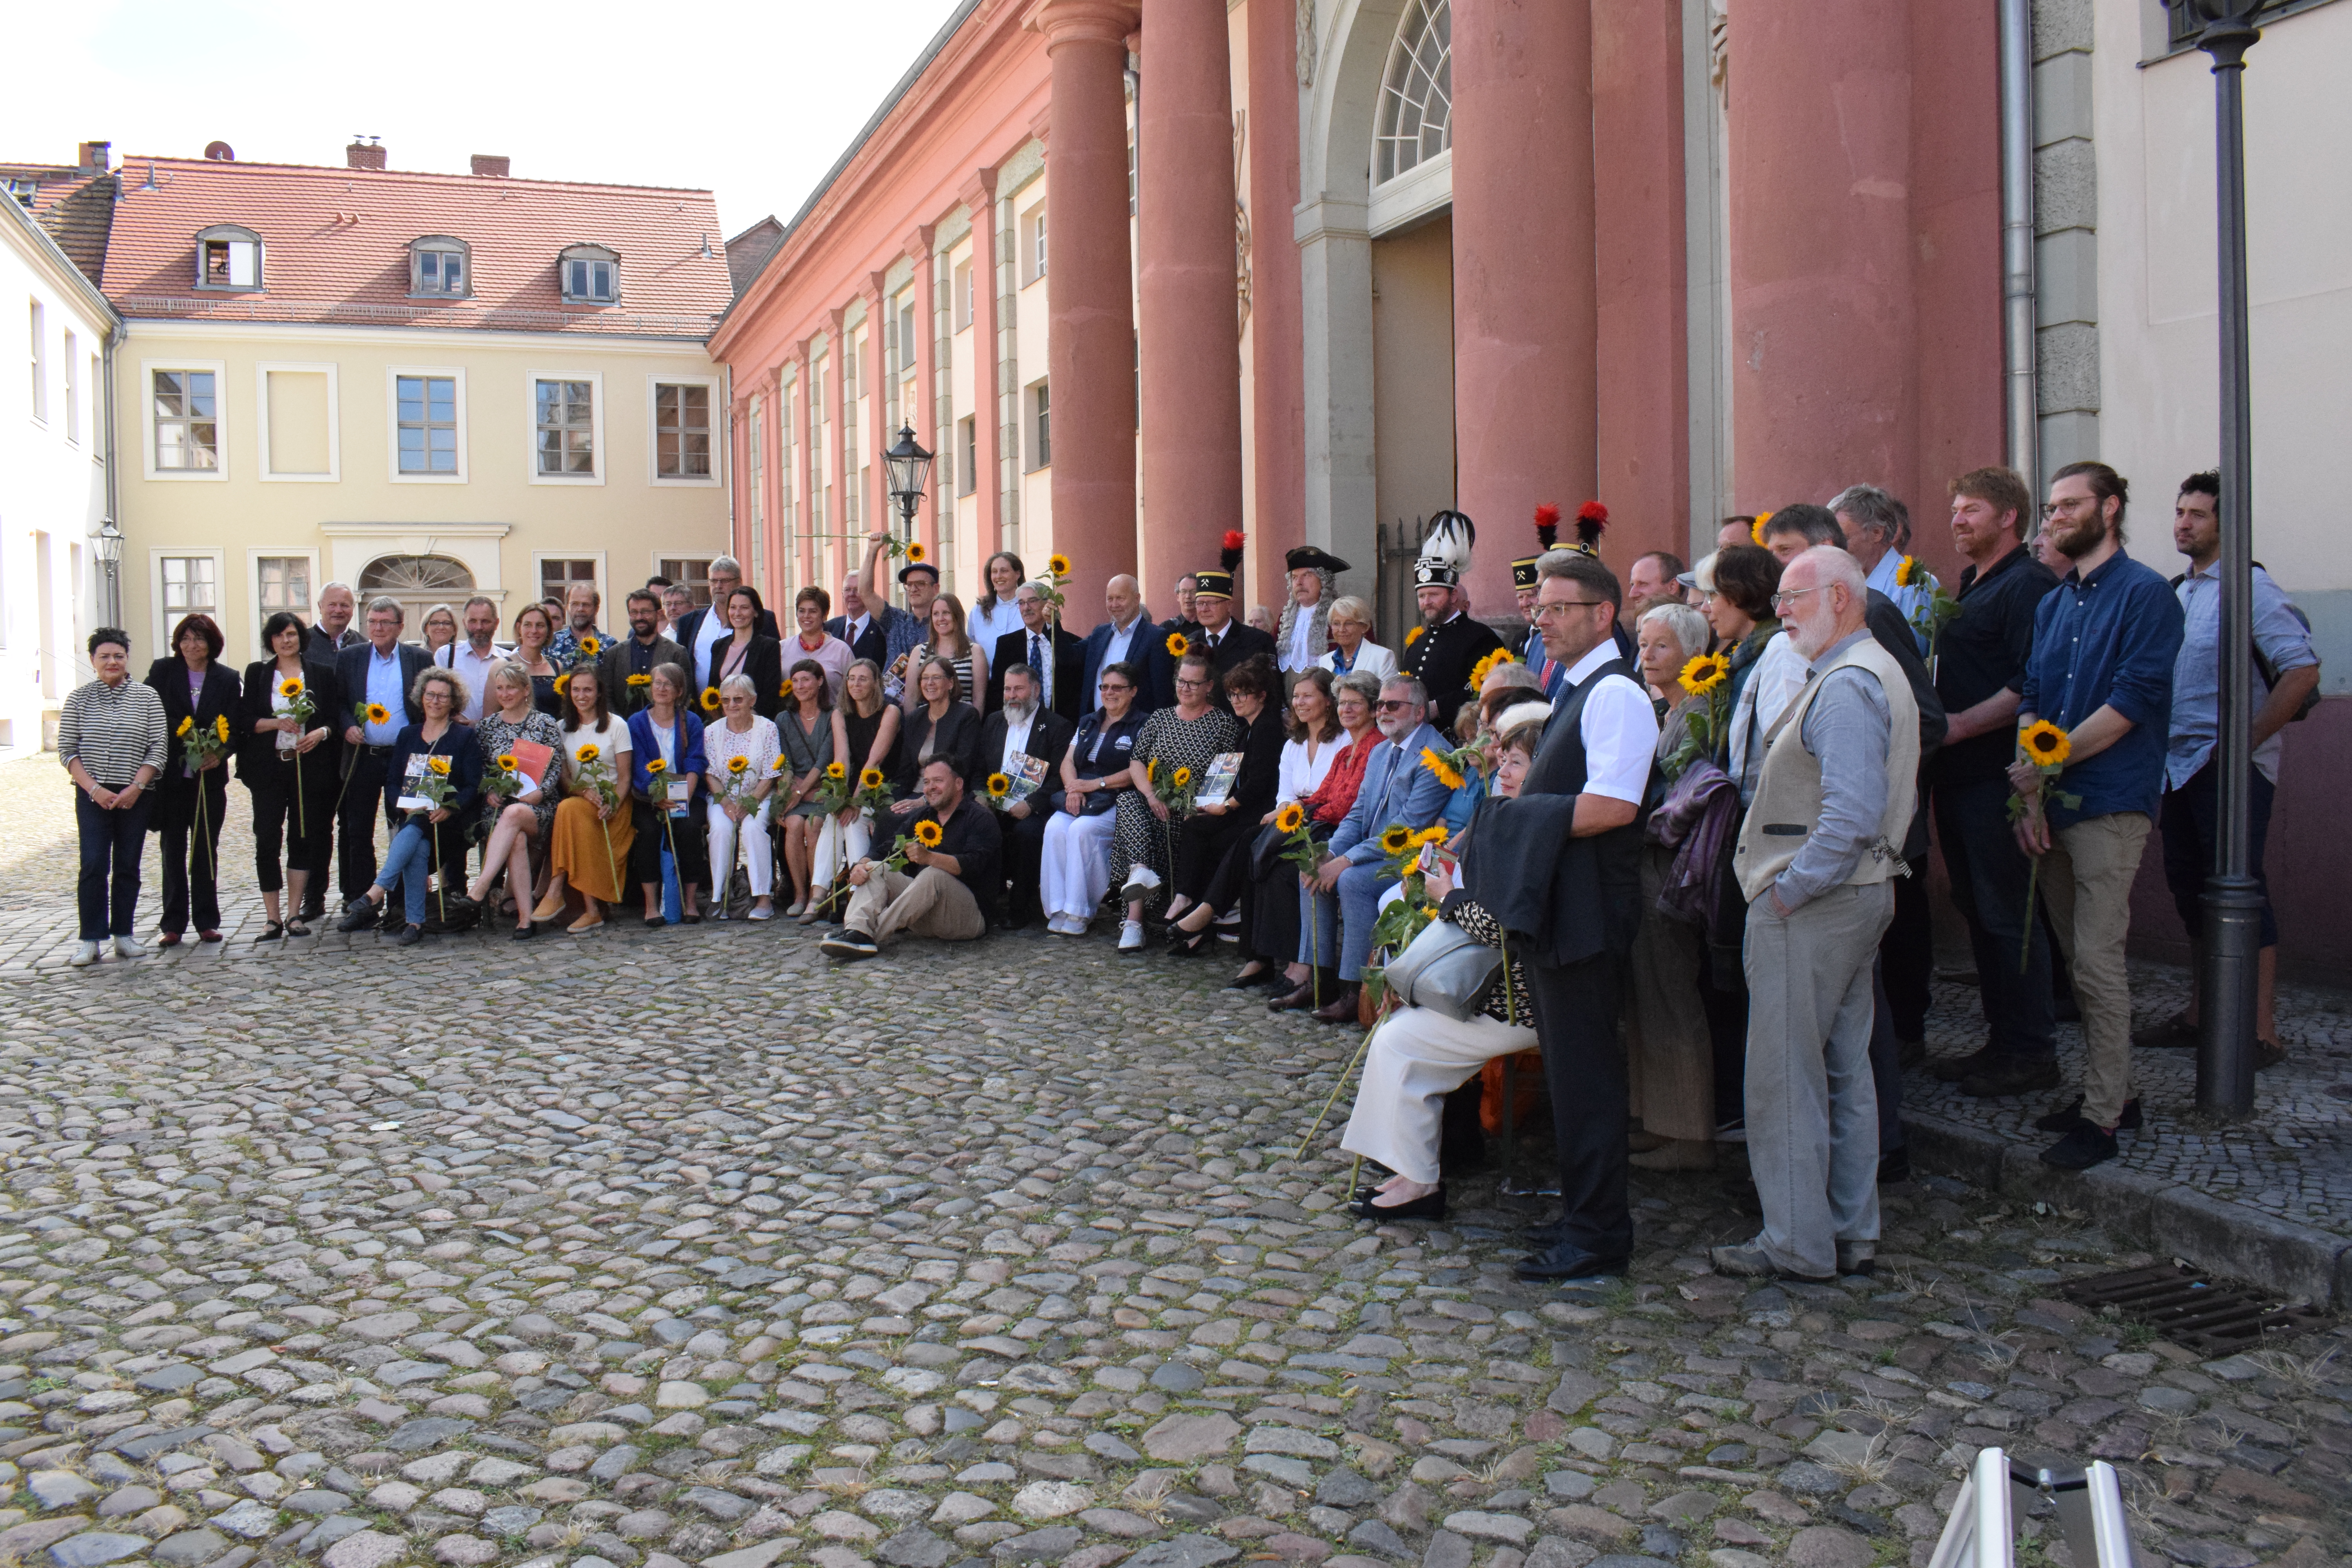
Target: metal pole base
column 2228, row 989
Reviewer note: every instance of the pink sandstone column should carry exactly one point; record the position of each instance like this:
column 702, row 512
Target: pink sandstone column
column 1824, row 372
column 1278, row 348
column 804, row 566
column 738, row 536
column 987, row 484
column 772, row 474
column 1524, row 316
column 881, row 510
column 838, row 413
column 1187, row 306
column 1089, row 290
column 922, row 414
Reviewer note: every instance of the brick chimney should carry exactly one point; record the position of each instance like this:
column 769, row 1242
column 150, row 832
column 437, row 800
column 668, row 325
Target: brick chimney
column 491, row 165
column 94, row 154
column 360, row 156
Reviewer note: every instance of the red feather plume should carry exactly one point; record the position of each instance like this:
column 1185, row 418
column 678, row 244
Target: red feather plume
column 1234, row 538
column 1548, row 525
column 1232, row 557
column 1591, row 518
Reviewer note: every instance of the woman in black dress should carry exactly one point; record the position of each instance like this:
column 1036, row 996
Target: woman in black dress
column 289, row 764
column 198, row 693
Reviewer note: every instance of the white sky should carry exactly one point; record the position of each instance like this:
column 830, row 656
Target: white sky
column 754, row 99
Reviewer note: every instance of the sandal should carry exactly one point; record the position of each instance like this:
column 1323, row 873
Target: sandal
column 270, row 932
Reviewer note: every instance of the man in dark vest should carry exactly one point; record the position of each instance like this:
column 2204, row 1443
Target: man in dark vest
column 1558, row 868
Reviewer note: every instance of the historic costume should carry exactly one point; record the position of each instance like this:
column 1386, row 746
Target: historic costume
column 1441, row 656
column 1297, row 648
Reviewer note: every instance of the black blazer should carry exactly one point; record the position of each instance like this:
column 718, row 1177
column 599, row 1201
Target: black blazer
column 1235, row 644
column 222, row 697
column 351, row 677
column 873, row 643
column 1261, row 775
column 1049, row 737
column 959, row 738
column 765, row 664
column 260, row 750
column 1069, row 670
column 1148, row 651
column 689, row 626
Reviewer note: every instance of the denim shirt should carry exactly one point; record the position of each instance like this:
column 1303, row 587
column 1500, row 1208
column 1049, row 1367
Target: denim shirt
column 2197, row 677
column 2106, row 640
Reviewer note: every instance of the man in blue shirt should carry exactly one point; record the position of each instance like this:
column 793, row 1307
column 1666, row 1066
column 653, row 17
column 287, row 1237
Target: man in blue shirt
column 2104, row 642
column 378, row 673
column 2286, row 671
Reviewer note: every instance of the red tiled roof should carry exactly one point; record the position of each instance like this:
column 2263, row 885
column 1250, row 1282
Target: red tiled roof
column 75, row 205
column 335, row 247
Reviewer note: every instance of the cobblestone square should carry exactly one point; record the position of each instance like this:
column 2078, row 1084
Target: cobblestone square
column 689, row 1248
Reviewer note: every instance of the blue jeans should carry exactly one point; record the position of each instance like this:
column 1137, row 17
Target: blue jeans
column 1988, row 874
column 1341, row 927
column 405, row 865
column 111, row 842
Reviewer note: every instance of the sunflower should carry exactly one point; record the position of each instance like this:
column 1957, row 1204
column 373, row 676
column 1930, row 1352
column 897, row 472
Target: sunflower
column 1181, row 777
column 1704, row 673
column 870, row 778
column 509, row 763
column 1178, row 645
column 655, row 767
column 641, row 680
column 2046, row 745
column 1757, row 533
column 187, row 727
column 928, row 834
column 290, row 686
column 1909, row 574
column 377, row 713
column 1290, row 818
column 1488, row 665
column 563, row 683
column 710, row 700
column 1059, row 565
column 836, row 771
column 1396, row 840
column 917, row 554
column 1413, row 635
column 220, row 726
column 1441, row 768
column 776, row 768
column 437, row 766
column 735, row 765
column 999, row 787
column 587, row 754
column 589, row 647
column 1433, row 834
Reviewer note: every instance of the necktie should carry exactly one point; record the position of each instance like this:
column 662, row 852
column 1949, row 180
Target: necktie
column 1045, row 670
column 1212, row 642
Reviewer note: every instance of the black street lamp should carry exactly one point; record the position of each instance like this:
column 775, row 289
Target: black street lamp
column 2233, row 903
column 108, row 543
column 911, row 470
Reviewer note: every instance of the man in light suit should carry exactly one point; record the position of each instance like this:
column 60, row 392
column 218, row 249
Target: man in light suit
column 1397, row 790
column 1131, row 637
column 1022, row 724
column 697, row 629
column 381, row 671
column 1056, row 657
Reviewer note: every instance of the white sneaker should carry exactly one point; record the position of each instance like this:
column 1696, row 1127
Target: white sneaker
column 85, row 953
column 1130, row 936
column 1142, row 881
column 128, row 947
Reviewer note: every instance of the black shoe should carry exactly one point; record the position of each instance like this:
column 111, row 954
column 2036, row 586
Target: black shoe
column 1858, row 1257
column 270, row 932
column 524, row 934
column 1342, row 1008
column 1894, row 1167
column 1549, row 1232
column 2066, row 1118
column 1183, row 941
column 1429, row 1205
column 2268, row 1054
column 310, row 912
column 2176, row 1033
column 409, row 936
column 1268, row 976
column 1293, row 1001
column 1566, row 1261
column 1911, row 1055
column 358, row 915
column 2012, row 1074
column 1952, row 1070
column 2083, row 1147
column 850, row 945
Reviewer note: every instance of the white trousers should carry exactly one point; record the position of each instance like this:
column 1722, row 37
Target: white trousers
column 838, row 848
column 1076, row 871
column 1417, row 1058
column 759, row 858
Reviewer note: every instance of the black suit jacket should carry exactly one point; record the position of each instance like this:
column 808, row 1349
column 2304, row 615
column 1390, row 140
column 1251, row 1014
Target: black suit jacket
column 765, row 664
column 1049, row 737
column 689, row 626
column 351, row 672
column 260, row 749
column 1148, row 651
column 223, row 697
column 1069, row 670
column 1235, row 644
column 873, row 643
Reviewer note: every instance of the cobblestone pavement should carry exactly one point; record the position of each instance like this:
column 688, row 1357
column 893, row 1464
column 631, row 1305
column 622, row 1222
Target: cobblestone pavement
column 688, row 1248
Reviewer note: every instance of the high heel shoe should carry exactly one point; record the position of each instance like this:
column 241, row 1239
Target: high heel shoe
column 1249, row 980
column 1429, row 1205
column 1183, row 941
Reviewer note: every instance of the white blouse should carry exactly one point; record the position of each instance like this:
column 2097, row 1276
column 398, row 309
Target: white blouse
column 721, row 746
column 612, row 743
column 1299, row 777
column 986, row 627
column 1371, row 657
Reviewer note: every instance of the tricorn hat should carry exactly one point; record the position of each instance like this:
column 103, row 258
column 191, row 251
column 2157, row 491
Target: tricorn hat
column 1219, row 583
column 1308, row 556
column 1445, row 553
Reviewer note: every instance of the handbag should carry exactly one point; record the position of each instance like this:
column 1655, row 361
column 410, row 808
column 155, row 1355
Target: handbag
column 1445, row 970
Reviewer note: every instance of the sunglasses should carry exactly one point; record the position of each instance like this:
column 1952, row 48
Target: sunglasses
column 1389, row 704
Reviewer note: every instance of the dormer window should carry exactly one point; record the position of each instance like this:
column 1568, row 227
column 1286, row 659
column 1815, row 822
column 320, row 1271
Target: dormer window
column 228, row 256
column 591, row 275
column 440, row 268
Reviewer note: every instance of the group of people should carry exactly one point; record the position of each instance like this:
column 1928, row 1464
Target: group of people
column 1689, row 811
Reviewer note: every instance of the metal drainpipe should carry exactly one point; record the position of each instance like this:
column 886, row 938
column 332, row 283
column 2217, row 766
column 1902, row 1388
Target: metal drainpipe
column 2021, row 395
column 113, row 461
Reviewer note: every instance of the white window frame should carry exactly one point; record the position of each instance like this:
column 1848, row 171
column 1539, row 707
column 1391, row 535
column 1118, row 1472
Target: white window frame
column 599, row 255
column 219, row 472
column 653, row 382
column 70, row 357
column 161, row 617
column 392, row 375
column 38, row 328
column 1033, row 245
column 595, row 379
column 446, row 244
column 256, row 615
column 232, row 235
column 334, row 421
column 604, row 577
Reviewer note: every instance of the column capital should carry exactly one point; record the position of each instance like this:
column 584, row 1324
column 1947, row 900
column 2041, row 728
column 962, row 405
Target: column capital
column 980, row 188
column 1081, row 22
column 872, row 292
column 835, row 316
column 919, row 243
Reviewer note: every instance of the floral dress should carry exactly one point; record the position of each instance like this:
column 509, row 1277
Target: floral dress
column 497, row 735
column 1141, row 838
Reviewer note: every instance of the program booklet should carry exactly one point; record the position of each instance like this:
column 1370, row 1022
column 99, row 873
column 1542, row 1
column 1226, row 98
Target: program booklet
column 1217, row 780
column 1026, row 773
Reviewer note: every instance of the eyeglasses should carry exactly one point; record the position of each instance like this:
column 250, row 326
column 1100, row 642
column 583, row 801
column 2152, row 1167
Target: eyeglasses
column 1182, row 681
column 1782, row 601
column 1113, row 685
column 1548, row 607
column 1391, row 704
column 2071, row 504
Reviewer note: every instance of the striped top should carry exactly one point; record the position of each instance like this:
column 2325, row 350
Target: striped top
column 114, row 730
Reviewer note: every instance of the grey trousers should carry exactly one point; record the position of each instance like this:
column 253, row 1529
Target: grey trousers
column 1813, row 1112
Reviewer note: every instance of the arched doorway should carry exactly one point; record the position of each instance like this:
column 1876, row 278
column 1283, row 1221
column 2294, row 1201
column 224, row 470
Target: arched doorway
column 419, row 582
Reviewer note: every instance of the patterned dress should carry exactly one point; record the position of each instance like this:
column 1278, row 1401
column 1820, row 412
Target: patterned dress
column 496, row 735
column 1140, row 838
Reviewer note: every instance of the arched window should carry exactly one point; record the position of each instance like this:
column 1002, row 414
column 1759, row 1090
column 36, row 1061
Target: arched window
column 440, row 267
column 419, row 582
column 1416, row 114
column 228, row 256
column 591, row 274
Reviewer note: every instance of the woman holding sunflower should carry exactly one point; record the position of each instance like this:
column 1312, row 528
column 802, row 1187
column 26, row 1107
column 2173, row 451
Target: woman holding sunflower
column 191, row 799
column 739, row 755
column 864, row 742
column 666, row 751
column 513, row 821
column 289, row 764
column 805, row 728
column 434, row 760
column 1186, row 737
column 594, row 828
column 1212, row 846
column 1074, row 869
column 534, row 628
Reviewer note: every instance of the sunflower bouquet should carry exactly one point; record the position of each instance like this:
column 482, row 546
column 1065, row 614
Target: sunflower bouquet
column 1935, row 612
column 299, row 707
column 596, row 777
column 1707, row 730
column 1403, row 920
column 1486, row 667
column 2047, row 747
column 202, row 744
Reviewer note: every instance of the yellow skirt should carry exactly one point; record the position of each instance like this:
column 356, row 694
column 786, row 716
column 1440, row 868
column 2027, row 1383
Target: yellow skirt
column 578, row 850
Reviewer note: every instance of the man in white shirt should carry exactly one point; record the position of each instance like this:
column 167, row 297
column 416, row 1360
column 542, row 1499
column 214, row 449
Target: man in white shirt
column 1021, row 726
column 1128, row 637
column 474, row 658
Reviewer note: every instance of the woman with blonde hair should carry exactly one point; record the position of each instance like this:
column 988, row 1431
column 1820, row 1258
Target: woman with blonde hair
column 1352, row 649
column 514, row 821
column 739, row 751
column 440, row 629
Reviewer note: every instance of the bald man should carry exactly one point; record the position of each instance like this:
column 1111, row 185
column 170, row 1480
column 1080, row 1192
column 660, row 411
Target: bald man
column 1129, row 637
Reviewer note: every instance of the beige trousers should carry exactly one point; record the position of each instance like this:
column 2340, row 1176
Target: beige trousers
column 931, row 904
column 2086, row 878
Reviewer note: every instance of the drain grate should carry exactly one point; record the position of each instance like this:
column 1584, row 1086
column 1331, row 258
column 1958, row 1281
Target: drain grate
column 2192, row 1311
